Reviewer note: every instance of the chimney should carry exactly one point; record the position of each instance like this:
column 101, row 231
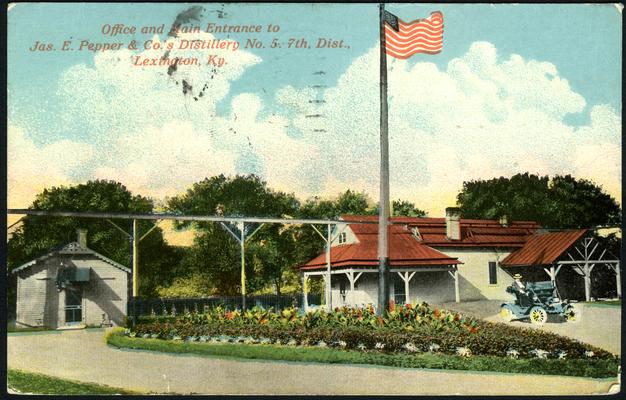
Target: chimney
column 504, row 221
column 453, row 223
column 82, row 237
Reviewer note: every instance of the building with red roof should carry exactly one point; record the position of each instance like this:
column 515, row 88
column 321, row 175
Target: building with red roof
column 441, row 259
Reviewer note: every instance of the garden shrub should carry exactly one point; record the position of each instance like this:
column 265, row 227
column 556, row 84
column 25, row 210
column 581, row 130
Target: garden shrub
column 424, row 328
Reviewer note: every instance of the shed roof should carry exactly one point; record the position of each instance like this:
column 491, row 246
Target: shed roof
column 71, row 248
column 543, row 248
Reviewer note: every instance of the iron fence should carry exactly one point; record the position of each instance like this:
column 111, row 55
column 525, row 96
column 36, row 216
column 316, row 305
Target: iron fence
column 172, row 306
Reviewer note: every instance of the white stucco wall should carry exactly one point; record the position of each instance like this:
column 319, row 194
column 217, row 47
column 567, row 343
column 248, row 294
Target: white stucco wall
column 431, row 287
column 474, row 273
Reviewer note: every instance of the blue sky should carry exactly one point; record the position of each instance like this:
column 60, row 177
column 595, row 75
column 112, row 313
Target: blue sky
column 573, row 51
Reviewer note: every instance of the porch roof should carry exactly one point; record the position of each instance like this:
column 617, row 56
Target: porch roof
column 404, row 251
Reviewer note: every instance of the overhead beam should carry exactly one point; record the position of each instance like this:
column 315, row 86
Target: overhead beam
column 178, row 217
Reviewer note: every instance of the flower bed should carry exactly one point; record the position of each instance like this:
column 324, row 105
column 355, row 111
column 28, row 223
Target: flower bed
column 403, row 330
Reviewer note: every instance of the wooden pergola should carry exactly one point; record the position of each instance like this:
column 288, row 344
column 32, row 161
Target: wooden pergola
column 583, row 257
column 579, row 250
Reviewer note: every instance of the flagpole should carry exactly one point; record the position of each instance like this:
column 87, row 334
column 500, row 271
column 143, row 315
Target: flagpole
column 383, row 209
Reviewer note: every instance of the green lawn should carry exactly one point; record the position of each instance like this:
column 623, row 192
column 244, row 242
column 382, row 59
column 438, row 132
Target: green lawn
column 29, row 382
column 574, row 367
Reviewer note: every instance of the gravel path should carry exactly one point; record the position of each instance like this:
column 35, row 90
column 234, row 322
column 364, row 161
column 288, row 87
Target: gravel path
column 82, row 355
column 599, row 326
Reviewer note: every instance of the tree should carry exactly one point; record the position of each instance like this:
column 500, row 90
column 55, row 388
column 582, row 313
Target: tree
column 215, row 253
column 403, row 208
column 560, row 202
column 38, row 235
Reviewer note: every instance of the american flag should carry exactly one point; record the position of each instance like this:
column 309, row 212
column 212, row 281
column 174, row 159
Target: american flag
column 403, row 39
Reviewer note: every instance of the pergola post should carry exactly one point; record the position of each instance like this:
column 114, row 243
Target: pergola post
column 305, row 291
column 618, row 280
column 135, row 260
column 329, row 297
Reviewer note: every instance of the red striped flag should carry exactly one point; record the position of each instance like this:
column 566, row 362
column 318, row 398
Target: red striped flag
column 404, row 39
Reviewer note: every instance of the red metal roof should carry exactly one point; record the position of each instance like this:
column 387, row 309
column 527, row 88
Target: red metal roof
column 404, row 250
column 474, row 232
column 543, row 248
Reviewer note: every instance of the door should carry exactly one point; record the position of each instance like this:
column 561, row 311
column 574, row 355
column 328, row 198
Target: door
column 73, row 306
column 399, row 293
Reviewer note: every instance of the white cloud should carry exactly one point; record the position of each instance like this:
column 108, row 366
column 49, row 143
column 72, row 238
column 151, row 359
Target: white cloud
column 32, row 168
column 481, row 117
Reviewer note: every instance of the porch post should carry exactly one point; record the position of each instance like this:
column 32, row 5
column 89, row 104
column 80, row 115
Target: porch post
column 406, row 289
column 351, row 279
column 457, row 292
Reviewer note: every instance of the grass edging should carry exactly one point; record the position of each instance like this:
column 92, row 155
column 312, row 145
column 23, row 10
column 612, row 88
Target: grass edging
column 35, row 383
column 569, row 367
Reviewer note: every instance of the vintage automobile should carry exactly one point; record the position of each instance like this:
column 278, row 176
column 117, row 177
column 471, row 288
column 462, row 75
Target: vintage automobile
column 535, row 302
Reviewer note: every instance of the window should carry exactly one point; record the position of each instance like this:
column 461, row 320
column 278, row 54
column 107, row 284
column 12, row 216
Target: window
column 342, row 237
column 493, row 273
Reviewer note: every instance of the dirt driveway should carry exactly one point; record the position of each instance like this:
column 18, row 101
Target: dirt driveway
column 600, row 325
column 82, row 355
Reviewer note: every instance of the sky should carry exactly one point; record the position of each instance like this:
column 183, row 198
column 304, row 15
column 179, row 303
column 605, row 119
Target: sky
column 516, row 88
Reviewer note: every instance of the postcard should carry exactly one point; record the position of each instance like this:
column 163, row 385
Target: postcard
column 323, row 199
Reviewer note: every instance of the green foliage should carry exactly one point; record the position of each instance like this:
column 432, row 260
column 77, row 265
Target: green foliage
column 29, row 382
column 38, row 235
column 268, row 254
column 421, row 326
column 596, row 368
column 560, row 202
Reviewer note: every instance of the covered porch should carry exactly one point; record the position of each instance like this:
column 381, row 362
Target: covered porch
column 356, row 286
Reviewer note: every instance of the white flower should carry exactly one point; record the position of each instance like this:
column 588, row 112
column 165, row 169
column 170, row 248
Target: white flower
column 379, row 345
column 341, row 343
column 562, row 354
column 540, row 353
column 410, row 347
column 463, row 351
column 433, row 347
column 589, row 354
column 361, row 346
column 512, row 353
column 292, row 342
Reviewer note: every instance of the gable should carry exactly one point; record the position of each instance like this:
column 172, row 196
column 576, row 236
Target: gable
column 72, row 248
